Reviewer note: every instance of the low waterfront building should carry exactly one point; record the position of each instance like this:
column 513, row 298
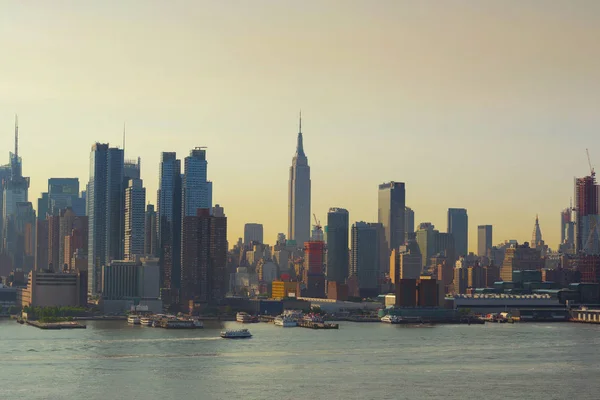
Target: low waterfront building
column 493, row 303
column 282, row 290
column 131, row 283
column 8, row 298
column 49, row 289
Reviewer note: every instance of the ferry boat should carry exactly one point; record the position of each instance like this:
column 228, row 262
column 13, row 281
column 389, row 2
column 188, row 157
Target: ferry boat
column 145, row 321
column 198, row 324
column 313, row 318
column 392, row 319
column 285, row 321
column 243, row 317
column 178, row 324
column 133, row 320
column 238, row 334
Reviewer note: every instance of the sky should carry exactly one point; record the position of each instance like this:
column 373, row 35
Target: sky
column 485, row 105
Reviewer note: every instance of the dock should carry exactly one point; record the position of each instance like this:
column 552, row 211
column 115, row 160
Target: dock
column 56, row 325
column 317, row 325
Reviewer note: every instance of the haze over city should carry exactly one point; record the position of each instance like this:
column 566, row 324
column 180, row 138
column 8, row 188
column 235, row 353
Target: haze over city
column 485, row 106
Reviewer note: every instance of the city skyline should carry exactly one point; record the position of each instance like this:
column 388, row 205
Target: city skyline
column 514, row 100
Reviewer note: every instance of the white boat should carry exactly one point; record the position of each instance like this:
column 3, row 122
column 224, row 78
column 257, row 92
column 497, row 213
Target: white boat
column 392, row 319
column 198, row 324
column 133, row 320
column 243, row 317
column 238, row 334
column 285, row 321
column 145, row 321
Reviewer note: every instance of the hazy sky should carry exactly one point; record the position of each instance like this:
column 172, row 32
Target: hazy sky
column 487, row 105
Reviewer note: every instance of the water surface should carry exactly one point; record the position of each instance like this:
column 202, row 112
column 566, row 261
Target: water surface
column 112, row 360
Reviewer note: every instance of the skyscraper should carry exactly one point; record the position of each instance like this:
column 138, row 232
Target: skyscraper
column 15, row 193
column 135, row 219
column 196, row 189
column 150, row 236
column 409, row 224
column 458, row 226
column 299, row 195
column 391, row 212
column 364, row 261
column 536, row 236
column 204, row 256
column 168, row 227
column 63, row 193
column 253, row 233
column 567, row 231
column 586, row 214
column 338, row 227
column 105, row 210
column 68, row 222
column 484, row 240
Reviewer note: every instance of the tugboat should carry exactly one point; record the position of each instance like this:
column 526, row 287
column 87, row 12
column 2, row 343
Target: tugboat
column 237, row 334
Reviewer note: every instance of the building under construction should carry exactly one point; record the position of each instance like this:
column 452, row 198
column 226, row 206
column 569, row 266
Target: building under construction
column 586, row 214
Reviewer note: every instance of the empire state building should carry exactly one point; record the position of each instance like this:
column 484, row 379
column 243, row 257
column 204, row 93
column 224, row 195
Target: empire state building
column 299, row 195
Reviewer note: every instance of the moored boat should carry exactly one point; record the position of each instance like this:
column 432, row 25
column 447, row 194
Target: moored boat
column 133, row 319
column 243, row 317
column 392, row 319
column 285, row 321
column 146, row 321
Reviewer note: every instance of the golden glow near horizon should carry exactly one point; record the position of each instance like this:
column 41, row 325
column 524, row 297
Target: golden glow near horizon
column 483, row 105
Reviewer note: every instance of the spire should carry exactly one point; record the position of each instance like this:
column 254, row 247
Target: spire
column 300, row 145
column 536, row 237
column 123, row 138
column 16, row 136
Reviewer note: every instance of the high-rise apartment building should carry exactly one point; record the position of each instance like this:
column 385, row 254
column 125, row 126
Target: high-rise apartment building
column 338, row 228
column 253, row 233
column 520, row 258
column 314, row 277
column 484, row 240
column 365, row 256
column 169, row 208
column 105, row 202
column 63, row 193
column 150, row 236
column 405, row 263
column 204, row 257
column 299, row 195
column 409, row 224
column 135, row 219
column 70, row 229
column 458, row 226
column 42, row 206
column 196, row 189
column 391, row 212
column 433, row 243
column 41, row 243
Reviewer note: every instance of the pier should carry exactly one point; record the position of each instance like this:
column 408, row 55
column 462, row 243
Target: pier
column 586, row 315
column 56, row 325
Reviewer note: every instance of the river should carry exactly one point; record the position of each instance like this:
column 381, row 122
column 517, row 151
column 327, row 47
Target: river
column 112, row 360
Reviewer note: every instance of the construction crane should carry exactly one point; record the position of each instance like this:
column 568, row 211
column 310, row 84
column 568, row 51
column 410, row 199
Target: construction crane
column 317, row 223
column 592, row 172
